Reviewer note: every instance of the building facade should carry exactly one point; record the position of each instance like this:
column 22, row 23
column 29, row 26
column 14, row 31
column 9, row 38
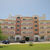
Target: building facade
column 44, row 30
column 27, row 28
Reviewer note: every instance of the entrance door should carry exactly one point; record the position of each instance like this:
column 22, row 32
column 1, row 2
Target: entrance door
column 27, row 38
column 36, row 39
column 17, row 39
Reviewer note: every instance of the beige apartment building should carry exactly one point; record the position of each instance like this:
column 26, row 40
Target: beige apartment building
column 44, row 30
column 27, row 28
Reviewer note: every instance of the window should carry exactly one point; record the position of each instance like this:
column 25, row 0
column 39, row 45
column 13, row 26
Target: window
column 17, row 29
column 17, row 33
column 41, row 27
column 5, row 32
column 17, row 25
column 48, row 22
column 42, row 23
column 35, row 25
column 48, row 27
column 36, row 33
column 36, row 29
column 48, row 31
column 35, row 17
column 5, row 26
column 42, row 37
column 0, row 23
column 18, row 21
column 24, row 27
column 24, row 19
column 31, row 27
column 12, row 32
column 12, row 22
column 42, row 32
column 6, row 22
column 18, row 17
column 24, row 32
column 48, row 36
column 12, row 27
column 35, row 21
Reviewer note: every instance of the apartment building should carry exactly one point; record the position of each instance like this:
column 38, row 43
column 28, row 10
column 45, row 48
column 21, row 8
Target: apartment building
column 44, row 30
column 8, row 27
column 27, row 28
column 36, row 28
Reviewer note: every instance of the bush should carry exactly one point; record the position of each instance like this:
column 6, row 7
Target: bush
column 3, row 37
column 30, row 44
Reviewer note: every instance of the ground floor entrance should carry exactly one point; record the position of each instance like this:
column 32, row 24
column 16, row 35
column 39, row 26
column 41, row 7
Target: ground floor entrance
column 36, row 39
column 17, row 38
column 27, row 38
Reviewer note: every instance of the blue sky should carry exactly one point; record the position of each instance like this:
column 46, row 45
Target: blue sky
column 24, row 8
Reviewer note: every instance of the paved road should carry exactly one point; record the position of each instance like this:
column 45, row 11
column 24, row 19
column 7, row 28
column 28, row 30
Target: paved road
column 25, row 43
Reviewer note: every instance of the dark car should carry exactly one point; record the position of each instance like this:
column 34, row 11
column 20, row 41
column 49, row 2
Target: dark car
column 22, row 41
column 6, row 41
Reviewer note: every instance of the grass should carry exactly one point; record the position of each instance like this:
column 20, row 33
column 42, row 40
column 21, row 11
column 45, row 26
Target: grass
column 26, row 47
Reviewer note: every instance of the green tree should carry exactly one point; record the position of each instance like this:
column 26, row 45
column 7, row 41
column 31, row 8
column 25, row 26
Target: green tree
column 0, row 33
column 2, row 37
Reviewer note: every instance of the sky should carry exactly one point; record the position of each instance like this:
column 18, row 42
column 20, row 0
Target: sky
column 24, row 8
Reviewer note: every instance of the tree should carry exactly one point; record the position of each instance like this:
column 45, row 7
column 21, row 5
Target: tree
column 0, row 33
column 2, row 37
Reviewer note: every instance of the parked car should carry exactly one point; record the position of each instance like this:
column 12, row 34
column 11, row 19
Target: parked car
column 6, row 41
column 22, row 41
